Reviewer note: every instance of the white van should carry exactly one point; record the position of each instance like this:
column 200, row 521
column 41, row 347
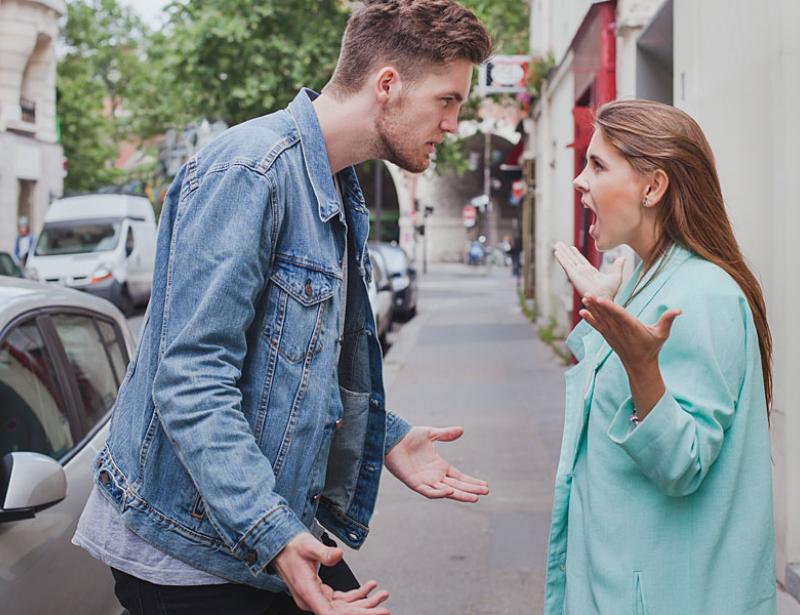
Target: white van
column 104, row 244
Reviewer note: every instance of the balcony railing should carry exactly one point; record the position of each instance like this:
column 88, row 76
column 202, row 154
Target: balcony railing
column 28, row 108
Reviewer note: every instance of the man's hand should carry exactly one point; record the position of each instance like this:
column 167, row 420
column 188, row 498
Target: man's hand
column 297, row 565
column 585, row 277
column 415, row 462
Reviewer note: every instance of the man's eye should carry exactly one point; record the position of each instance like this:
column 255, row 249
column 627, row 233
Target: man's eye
column 447, row 101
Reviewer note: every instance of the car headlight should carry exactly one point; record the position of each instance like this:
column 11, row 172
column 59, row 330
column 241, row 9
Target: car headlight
column 400, row 283
column 100, row 275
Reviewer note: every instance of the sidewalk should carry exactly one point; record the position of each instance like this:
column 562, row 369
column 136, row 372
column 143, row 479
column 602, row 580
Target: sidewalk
column 470, row 358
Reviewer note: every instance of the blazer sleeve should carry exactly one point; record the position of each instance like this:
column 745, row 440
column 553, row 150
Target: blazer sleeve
column 703, row 364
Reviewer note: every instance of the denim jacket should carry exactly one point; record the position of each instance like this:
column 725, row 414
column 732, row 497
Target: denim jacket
column 244, row 414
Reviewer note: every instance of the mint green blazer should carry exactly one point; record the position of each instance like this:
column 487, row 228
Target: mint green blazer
column 673, row 517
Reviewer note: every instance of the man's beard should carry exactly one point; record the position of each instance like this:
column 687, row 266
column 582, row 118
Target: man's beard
column 391, row 135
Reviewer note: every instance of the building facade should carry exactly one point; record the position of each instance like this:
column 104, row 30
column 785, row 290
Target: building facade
column 31, row 159
column 735, row 67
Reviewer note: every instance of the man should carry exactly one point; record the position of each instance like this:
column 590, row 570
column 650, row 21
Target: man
column 24, row 242
column 254, row 413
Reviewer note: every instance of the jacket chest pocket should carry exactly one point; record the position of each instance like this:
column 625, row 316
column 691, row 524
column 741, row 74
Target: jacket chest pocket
column 298, row 297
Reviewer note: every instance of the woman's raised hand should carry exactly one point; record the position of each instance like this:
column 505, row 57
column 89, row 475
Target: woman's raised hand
column 585, row 277
column 636, row 343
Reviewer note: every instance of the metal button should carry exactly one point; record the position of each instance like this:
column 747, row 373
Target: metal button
column 352, row 536
column 251, row 558
column 309, row 289
column 338, row 424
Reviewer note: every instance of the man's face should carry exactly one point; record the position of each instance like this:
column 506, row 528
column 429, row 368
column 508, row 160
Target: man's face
column 410, row 127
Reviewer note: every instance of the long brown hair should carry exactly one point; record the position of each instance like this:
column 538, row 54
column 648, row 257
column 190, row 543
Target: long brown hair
column 652, row 135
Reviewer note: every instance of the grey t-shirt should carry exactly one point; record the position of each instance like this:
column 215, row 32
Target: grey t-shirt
column 102, row 533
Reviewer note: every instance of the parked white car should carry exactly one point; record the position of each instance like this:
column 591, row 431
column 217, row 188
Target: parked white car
column 63, row 355
column 103, row 244
column 381, row 296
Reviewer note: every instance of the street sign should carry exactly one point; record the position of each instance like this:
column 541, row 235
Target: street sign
column 504, row 75
column 470, row 214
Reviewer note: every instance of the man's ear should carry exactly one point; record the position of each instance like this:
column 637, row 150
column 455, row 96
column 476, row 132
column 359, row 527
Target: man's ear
column 657, row 187
column 387, row 84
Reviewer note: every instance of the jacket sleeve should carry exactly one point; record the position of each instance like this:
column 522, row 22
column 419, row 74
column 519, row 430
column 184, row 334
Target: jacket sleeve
column 396, row 430
column 219, row 260
column 703, row 364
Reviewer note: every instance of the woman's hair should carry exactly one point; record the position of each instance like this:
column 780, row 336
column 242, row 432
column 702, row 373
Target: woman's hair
column 652, row 135
column 416, row 36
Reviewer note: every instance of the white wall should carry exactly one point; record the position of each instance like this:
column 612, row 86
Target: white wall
column 737, row 72
column 554, row 194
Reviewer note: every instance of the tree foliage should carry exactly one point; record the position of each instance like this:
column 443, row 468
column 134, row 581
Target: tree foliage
column 237, row 59
column 230, row 60
column 96, row 79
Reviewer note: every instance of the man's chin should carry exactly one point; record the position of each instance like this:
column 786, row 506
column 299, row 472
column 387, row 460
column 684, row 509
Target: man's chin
column 413, row 166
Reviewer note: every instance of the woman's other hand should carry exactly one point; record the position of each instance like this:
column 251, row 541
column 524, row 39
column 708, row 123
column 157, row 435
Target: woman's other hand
column 585, row 277
column 637, row 345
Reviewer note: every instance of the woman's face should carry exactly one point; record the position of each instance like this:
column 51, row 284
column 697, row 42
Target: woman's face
column 613, row 190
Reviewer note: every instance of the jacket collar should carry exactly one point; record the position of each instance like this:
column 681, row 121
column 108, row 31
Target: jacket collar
column 315, row 156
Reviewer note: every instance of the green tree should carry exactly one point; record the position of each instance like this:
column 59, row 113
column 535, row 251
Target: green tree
column 238, row 59
column 96, row 81
column 508, row 23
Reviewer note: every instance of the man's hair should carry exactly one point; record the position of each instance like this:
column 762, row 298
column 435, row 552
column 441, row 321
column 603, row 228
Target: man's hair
column 414, row 36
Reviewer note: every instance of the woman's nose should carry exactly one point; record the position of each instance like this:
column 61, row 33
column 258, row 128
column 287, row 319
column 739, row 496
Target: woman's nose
column 579, row 184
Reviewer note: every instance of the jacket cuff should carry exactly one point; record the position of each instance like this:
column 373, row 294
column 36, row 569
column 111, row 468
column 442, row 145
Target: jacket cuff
column 268, row 538
column 641, row 441
column 396, row 430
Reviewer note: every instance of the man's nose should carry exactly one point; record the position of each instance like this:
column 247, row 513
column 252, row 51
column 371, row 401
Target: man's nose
column 449, row 124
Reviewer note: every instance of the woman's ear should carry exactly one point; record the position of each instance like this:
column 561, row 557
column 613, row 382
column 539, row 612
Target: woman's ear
column 656, row 188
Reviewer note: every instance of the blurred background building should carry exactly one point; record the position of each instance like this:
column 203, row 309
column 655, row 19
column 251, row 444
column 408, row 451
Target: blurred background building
column 31, row 158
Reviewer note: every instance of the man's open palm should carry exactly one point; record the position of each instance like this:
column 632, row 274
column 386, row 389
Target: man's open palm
column 415, row 462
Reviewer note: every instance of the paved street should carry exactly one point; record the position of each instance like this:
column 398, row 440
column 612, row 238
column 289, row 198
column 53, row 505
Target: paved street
column 470, row 358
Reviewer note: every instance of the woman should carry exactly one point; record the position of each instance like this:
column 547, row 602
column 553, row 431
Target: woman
column 663, row 501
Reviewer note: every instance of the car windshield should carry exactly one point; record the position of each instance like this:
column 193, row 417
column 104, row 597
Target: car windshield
column 395, row 260
column 78, row 236
column 8, row 266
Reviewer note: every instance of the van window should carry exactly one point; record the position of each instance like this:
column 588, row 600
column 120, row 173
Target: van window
column 32, row 411
column 78, row 236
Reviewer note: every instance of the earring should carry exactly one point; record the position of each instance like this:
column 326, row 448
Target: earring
column 644, row 202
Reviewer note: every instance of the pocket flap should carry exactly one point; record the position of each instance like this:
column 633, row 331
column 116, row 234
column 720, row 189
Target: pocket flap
column 306, row 286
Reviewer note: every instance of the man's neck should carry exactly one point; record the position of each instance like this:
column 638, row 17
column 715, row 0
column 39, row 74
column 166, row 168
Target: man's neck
column 347, row 129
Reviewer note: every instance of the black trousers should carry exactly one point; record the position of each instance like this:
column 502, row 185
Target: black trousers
column 144, row 598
